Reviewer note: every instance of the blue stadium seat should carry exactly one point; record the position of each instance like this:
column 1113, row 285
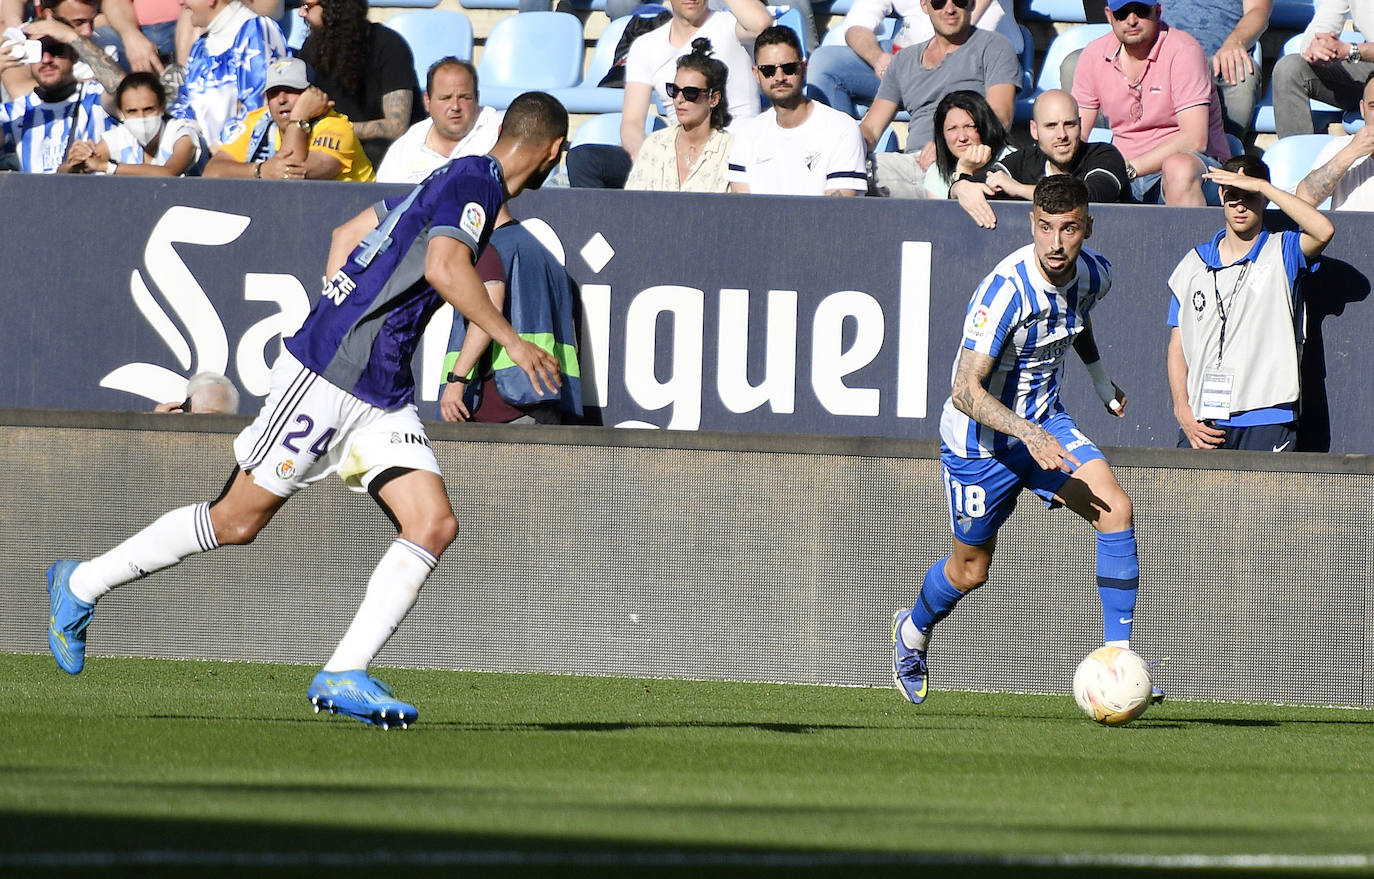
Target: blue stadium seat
column 412, row 4
column 888, row 142
column 508, row 67
column 433, row 34
column 786, row 16
column 1352, row 121
column 1291, row 158
column 587, row 96
column 1101, row 135
column 1070, row 11
column 594, row 5
column 1060, row 48
column 605, row 129
column 1323, row 114
column 1292, row 14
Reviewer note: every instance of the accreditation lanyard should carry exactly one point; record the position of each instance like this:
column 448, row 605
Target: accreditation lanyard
column 1219, row 382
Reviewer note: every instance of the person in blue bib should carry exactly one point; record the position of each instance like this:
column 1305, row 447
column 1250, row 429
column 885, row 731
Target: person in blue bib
column 1003, row 428
column 342, row 401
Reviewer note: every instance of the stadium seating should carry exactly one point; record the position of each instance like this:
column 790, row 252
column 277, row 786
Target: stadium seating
column 835, row 36
column 433, row 34
column 888, row 143
column 1291, row 14
column 594, row 5
column 605, row 129
column 1291, row 158
column 1323, row 114
column 1067, row 11
column 1060, row 48
column 786, row 16
column 1352, row 121
column 508, row 67
column 587, row 96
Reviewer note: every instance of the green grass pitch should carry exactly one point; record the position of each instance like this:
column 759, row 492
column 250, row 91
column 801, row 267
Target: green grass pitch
column 154, row 767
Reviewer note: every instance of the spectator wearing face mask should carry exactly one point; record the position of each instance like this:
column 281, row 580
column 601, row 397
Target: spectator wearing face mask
column 149, row 143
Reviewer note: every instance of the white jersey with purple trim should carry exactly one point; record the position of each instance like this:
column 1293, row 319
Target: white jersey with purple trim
column 1027, row 326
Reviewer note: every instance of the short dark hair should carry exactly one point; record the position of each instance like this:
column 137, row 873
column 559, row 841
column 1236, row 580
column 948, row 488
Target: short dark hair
column 714, row 72
column 449, row 61
column 990, row 129
column 535, row 118
column 1247, row 165
column 777, row 35
column 1060, row 194
column 141, row 79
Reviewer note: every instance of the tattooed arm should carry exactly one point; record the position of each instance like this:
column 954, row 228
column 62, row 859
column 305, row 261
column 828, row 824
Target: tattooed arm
column 395, row 117
column 972, row 398
column 1321, row 182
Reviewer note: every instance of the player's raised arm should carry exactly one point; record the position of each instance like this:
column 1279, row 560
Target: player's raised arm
column 970, row 396
column 449, row 269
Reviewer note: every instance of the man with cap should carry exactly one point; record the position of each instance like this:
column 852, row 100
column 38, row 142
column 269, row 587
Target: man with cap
column 1156, row 87
column 296, row 136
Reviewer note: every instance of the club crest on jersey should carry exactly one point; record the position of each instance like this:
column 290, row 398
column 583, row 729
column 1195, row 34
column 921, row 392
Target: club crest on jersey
column 474, row 218
column 978, row 321
column 1199, row 301
column 286, row 469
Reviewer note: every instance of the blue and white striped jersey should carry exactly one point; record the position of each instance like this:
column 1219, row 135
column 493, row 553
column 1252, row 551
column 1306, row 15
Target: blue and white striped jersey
column 227, row 71
column 365, row 327
column 1027, row 326
column 40, row 131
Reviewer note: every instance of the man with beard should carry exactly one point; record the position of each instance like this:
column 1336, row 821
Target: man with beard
column 797, row 146
column 38, row 128
column 1058, row 149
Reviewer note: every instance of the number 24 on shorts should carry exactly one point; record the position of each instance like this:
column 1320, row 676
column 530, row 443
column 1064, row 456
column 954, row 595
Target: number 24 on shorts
column 319, row 447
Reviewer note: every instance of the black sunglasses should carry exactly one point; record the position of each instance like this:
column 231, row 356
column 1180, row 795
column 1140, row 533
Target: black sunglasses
column 692, row 93
column 56, row 48
column 937, row 5
column 1141, row 10
column 788, row 69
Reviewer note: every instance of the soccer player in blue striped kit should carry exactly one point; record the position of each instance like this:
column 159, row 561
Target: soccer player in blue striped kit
column 342, row 401
column 1003, row 428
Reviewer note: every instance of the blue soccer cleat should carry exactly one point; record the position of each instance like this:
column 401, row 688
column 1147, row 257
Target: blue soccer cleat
column 909, row 670
column 358, row 694
column 68, row 617
column 1156, row 691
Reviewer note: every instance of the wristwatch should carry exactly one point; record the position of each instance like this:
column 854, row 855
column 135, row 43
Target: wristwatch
column 1354, row 54
column 455, row 377
column 1130, row 171
column 303, row 124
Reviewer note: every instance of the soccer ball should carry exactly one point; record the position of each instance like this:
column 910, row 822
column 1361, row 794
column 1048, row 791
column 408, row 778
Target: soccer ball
column 1112, row 686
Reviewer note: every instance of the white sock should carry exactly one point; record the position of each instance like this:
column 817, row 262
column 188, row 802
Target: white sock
column 182, row 532
column 391, row 593
column 1124, row 643
column 912, row 637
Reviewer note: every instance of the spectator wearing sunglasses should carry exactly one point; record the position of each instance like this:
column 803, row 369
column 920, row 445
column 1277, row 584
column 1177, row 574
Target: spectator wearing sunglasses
column 1155, row 87
column 690, row 156
column 797, row 146
column 847, row 75
column 71, row 23
column 957, row 57
column 652, row 63
column 37, row 129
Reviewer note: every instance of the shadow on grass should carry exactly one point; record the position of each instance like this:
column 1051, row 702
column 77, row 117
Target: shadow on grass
column 566, row 726
column 60, row 844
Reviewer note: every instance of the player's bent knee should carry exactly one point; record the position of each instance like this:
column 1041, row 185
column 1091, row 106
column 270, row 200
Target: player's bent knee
column 967, row 576
column 434, row 533
column 236, row 532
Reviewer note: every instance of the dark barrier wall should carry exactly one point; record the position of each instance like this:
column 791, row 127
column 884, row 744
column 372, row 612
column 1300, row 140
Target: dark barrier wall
column 710, row 555
column 780, row 315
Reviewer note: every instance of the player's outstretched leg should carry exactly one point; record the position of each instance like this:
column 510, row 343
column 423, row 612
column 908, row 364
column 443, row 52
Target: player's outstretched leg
column 68, row 617
column 74, row 587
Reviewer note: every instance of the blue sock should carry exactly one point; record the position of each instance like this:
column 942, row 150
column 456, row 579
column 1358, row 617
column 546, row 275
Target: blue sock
column 938, row 597
column 1118, row 578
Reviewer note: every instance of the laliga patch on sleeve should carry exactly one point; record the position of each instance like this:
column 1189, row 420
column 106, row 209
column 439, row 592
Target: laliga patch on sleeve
column 473, row 221
column 979, row 323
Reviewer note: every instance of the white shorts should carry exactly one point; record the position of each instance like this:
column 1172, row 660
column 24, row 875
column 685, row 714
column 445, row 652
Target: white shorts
column 308, row 428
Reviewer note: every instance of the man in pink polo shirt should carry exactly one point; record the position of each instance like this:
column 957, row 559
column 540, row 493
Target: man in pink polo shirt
column 1155, row 87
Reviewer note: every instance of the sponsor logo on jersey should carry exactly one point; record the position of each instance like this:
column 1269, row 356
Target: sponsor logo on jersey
column 329, row 143
column 474, row 218
column 286, row 469
column 399, row 438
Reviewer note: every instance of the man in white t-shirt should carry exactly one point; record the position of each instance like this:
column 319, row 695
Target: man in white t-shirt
column 1343, row 170
column 456, row 126
column 652, row 63
column 797, row 146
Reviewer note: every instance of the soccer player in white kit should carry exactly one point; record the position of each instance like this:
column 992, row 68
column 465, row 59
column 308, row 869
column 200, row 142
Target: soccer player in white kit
column 1003, row 428
column 341, row 395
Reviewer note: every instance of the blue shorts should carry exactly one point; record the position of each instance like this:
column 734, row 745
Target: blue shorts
column 982, row 491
